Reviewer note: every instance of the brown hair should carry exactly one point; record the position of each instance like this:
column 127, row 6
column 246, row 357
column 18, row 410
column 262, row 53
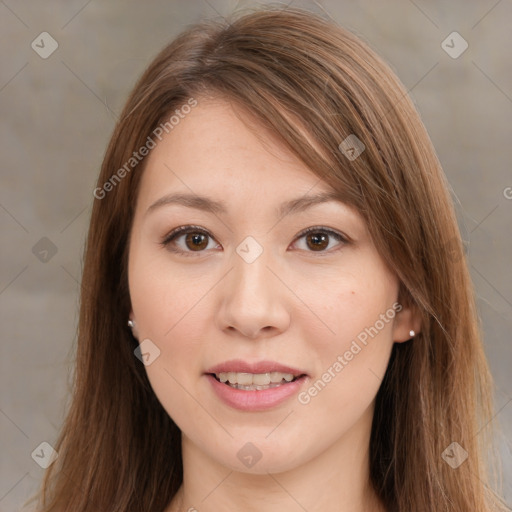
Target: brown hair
column 311, row 84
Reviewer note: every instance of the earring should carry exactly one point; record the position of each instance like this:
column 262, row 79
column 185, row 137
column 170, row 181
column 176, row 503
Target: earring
column 412, row 333
column 131, row 323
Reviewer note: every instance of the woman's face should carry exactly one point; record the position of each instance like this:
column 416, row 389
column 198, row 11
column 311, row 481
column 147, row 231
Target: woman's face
column 244, row 291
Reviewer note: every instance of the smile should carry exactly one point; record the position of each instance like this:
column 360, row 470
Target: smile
column 254, row 381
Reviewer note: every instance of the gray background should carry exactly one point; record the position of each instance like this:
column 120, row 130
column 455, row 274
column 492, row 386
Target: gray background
column 56, row 116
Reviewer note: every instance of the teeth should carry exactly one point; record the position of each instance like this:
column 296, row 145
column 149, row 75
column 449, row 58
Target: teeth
column 254, row 388
column 251, row 379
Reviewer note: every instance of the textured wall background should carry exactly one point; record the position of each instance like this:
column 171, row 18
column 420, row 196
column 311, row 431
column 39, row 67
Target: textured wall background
column 57, row 113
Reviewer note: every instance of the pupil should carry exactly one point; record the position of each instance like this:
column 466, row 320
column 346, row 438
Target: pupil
column 196, row 238
column 319, row 241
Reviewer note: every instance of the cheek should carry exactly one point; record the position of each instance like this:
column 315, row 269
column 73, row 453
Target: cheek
column 172, row 314
column 169, row 319
column 170, row 310
column 353, row 349
column 349, row 302
column 166, row 297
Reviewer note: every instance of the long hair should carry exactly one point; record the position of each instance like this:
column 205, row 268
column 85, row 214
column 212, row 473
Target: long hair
column 311, row 84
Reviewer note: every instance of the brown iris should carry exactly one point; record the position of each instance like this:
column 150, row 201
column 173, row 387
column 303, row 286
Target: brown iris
column 319, row 241
column 198, row 241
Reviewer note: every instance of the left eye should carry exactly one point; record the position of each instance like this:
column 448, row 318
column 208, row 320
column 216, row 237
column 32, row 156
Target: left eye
column 317, row 239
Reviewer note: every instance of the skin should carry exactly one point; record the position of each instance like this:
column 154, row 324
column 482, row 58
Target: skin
column 294, row 304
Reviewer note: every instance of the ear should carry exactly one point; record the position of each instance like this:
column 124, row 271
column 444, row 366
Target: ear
column 406, row 320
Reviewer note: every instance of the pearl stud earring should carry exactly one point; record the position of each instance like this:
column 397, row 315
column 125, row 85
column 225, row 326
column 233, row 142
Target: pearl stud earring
column 131, row 323
column 412, row 333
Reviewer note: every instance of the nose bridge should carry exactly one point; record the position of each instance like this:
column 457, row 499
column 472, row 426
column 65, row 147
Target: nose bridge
column 251, row 281
column 251, row 299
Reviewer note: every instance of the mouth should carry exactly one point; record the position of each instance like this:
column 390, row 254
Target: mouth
column 255, row 381
column 255, row 386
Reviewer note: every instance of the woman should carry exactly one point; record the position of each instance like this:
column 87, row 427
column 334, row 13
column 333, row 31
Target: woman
column 272, row 223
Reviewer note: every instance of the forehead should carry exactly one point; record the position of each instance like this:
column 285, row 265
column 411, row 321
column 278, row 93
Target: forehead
column 218, row 148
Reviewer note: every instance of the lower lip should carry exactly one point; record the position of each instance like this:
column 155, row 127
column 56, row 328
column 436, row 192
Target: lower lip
column 255, row 400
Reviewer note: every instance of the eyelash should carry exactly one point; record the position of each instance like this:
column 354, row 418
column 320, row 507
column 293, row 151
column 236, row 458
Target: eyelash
column 183, row 230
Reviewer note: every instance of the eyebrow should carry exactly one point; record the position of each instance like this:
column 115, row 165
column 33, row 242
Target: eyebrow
column 207, row 204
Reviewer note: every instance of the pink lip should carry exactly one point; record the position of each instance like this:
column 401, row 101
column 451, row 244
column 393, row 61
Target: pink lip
column 239, row 366
column 255, row 400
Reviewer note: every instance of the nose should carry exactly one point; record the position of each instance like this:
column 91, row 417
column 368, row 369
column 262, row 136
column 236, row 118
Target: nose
column 253, row 301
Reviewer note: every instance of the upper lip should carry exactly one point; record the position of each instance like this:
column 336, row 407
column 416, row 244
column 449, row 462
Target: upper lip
column 239, row 366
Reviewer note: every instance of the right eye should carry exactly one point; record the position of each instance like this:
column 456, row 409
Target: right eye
column 193, row 240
